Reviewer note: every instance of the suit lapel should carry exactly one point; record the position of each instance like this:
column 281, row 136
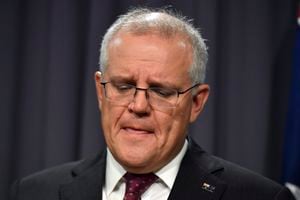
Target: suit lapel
column 195, row 178
column 87, row 182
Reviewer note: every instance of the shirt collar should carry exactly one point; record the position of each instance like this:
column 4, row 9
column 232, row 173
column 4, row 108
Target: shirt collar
column 167, row 174
column 114, row 173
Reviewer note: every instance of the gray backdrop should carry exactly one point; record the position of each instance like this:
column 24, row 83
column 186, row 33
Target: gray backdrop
column 49, row 53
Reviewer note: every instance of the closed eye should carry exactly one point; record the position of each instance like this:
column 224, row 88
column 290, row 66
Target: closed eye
column 123, row 87
column 163, row 92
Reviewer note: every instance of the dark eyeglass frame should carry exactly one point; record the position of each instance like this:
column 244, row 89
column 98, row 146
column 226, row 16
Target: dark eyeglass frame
column 146, row 89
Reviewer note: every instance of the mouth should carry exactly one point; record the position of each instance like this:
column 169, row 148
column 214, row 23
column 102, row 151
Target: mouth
column 137, row 130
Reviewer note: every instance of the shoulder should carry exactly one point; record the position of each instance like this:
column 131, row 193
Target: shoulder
column 237, row 176
column 240, row 182
column 58, row 174
column 46, row 183
column 43, row 183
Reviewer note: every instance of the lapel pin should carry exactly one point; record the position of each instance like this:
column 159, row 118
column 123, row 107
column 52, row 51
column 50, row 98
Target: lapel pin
column 208, row 187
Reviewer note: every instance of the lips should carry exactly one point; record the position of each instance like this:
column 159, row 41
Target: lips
column 137, row 130
column 137, row 126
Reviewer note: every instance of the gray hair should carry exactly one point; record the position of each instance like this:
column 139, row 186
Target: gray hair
column 168, row 24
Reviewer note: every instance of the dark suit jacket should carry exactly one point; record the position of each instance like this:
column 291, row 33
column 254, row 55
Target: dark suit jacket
column 201, row 176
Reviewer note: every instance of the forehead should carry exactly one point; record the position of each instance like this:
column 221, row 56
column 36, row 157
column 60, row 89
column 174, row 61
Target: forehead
column 151, row 54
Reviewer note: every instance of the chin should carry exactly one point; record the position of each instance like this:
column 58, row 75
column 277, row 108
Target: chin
column 136, row 162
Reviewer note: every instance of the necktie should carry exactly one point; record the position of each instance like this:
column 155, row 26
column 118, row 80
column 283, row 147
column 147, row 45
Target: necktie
column 137, row 184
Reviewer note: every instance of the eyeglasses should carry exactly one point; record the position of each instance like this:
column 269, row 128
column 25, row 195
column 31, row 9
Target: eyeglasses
column 159, row 97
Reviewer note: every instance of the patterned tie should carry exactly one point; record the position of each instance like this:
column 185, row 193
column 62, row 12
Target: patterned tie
column 137, row 184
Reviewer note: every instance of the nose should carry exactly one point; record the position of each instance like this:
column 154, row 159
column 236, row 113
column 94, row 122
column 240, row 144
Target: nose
column 140, row 104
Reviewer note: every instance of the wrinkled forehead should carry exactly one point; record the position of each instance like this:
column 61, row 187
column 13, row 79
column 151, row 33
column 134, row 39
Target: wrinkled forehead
column 168, row 46
column 173, row 53
column 149, row 55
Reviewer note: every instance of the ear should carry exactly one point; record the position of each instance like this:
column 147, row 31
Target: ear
column 199, row 100
column 99, row 88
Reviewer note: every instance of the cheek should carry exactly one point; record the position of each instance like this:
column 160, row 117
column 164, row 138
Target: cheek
column 110, row 117
column 163, row 122
column 171, row 127
column 179, row 121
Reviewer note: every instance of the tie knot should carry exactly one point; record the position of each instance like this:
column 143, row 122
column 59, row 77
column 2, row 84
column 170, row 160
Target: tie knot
column 137, row 184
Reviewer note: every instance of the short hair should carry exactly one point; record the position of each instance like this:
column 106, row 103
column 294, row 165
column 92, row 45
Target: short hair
column 168, row 24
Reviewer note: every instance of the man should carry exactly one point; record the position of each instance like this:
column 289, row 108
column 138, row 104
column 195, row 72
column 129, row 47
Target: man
column 150, row 88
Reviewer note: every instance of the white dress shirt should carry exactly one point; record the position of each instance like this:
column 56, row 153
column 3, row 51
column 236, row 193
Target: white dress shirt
column 114, row 187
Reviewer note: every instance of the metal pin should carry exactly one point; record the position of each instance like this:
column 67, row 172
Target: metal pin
column 208, row 187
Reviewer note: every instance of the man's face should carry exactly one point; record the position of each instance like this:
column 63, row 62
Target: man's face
column 141, row 138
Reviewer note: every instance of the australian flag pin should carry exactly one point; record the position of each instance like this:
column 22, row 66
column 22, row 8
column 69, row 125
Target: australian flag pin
column 208, row 187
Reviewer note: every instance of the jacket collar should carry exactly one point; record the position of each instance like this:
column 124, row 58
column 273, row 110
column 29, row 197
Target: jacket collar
column 197, row 176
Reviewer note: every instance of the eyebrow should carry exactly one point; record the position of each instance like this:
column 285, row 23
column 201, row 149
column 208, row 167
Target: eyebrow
column 157, row 82
column 151, row 82
column 129, row 79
